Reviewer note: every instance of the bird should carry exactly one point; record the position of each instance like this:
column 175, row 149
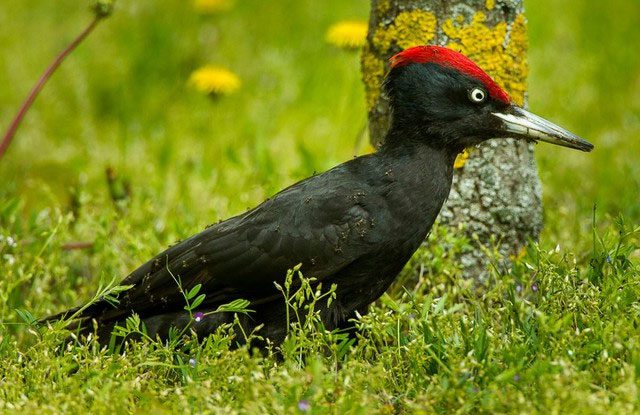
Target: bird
column 354, row 226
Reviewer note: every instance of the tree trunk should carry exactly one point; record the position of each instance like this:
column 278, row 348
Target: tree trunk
column 496, row 194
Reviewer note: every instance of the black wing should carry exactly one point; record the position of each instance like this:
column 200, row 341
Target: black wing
column 325, row 222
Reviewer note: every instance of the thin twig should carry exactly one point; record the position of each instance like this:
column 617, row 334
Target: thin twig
column 13, row 127
column 72, row 246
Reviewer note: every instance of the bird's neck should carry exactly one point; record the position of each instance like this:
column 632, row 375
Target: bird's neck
column 420, row 154
column 423, row 174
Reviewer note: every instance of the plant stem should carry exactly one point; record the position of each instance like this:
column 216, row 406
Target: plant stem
column 13, row 127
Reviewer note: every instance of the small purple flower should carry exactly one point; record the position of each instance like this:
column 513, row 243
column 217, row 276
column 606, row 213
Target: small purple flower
column 192, row 362
column 198, row 316
column 304, row 405
column 534, row 287
column 609, row 259
column 516, row 377
column 519, row 288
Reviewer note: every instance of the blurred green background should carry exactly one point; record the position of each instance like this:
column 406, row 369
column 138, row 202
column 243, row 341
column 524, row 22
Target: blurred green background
column 122, row 100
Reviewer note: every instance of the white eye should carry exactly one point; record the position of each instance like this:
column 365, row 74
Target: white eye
column 477, row 95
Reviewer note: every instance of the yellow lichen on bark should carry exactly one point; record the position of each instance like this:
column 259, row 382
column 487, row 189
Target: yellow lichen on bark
column 409, row 28
column 461, row 159
column 372, row 75
column 500, row 50
column 383, row 6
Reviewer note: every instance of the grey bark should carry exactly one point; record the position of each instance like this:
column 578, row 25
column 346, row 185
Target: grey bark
column 496, row 196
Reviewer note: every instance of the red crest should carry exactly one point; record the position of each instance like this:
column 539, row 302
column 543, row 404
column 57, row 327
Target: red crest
column 452, row 59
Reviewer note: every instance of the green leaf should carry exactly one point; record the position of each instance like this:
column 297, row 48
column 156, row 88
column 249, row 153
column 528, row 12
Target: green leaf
column 236, row 306
column 194, row 291
column 26, row 316
column 199, row 299
column 120, row 288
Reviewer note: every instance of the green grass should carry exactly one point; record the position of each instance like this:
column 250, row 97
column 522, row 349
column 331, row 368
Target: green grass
column 556, row 333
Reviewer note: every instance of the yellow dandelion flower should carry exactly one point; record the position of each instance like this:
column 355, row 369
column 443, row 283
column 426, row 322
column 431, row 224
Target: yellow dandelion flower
column 212, row 6
column 347, row 34
column 461, row 159
column 214, row 80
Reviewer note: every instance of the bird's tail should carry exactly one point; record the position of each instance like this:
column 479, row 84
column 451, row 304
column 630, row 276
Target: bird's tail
column 79, row 324
column 81, row 321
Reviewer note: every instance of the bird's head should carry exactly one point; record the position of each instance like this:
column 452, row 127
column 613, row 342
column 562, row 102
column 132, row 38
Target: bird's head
column 439, row 95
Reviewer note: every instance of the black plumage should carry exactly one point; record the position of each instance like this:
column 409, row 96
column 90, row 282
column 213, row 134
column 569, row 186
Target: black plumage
column 355, row 225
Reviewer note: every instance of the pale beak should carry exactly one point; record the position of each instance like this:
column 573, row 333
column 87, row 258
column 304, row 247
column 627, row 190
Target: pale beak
column 523, row 124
